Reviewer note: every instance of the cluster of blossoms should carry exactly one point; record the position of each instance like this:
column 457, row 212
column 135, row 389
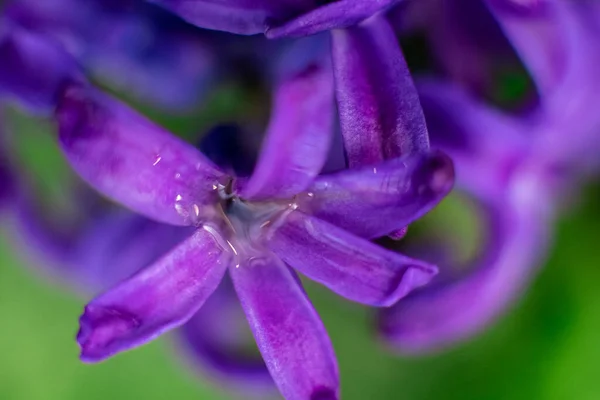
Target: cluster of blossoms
column 345, row 159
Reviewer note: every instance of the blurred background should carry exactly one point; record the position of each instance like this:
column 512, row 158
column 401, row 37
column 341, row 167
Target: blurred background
column 546, row 346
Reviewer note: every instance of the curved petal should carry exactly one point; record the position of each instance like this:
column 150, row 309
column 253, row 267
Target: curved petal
column 380, row 114
column 350, row 266
column 246, row 17
column 446, row 312
column 160, row 297
column 214, row 342
column 298, row 137
column 466, row 42
column 288, row 331
column 119, row 243
column 332, row 15
column 374, row 201
column 534, row 31
column 131, row 160
column 22, row 79
column 569, row 122
column 485, row 144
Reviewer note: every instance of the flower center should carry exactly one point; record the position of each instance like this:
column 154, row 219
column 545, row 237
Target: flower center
column 247, row 222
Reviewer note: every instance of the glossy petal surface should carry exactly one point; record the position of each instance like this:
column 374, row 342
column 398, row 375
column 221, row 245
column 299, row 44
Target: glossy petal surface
column 380, row 114
column 288, row 331
column 348, row 265
column 374, row 201
column 133, row 161
column 158, row 298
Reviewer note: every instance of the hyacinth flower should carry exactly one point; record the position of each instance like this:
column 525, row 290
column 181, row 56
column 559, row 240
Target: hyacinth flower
column 513, row 196
column 517, row 169
column 253, row 227
column 106, row 244
column 133, row 45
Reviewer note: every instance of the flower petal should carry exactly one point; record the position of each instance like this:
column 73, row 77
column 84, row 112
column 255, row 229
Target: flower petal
column 298, row 137
column 535, row 34
column 379, row 108
column 374, row 201
column 246, row 17
column 131, row 160
column 485, row 144
column 288, row 331
column 350, row 266
column 22, row 79
column 160, row 297
column 214, row 342
column 446, row 312
column 332, row 15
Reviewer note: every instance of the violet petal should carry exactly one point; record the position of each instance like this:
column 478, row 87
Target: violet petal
column 446, row 312
column 22, row 79
column 288, row 331
column 375, row 201
column 485, row 144
column 379, row 108
column 158, row 298
column 332, row 15
column 298, row 137
column 246, row 17
column 131, row 160
column 214, row 342
column 350, row 266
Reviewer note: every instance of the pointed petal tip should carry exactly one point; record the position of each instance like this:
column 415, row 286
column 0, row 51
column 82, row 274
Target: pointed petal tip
column 99, row 330
column 415, row 276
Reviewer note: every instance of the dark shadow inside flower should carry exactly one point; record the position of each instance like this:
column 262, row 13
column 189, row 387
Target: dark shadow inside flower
column 462, row 41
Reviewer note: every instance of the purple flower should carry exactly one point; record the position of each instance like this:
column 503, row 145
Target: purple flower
column 253, row 228
column 515, row 202
column 275, row 18
column 134, row 46
column 21, row 79
column 94, row 252
column 516, row 169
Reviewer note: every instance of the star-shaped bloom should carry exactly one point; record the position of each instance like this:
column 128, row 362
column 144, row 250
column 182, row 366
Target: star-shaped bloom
column 284, row 215
column 103, row 244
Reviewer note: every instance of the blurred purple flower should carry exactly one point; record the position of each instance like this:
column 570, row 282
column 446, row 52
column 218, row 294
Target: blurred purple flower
column 497, row 170
column 21, row 78
column 133, row 45
column 282, row 214
column 516, row 168
column 276, row 18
